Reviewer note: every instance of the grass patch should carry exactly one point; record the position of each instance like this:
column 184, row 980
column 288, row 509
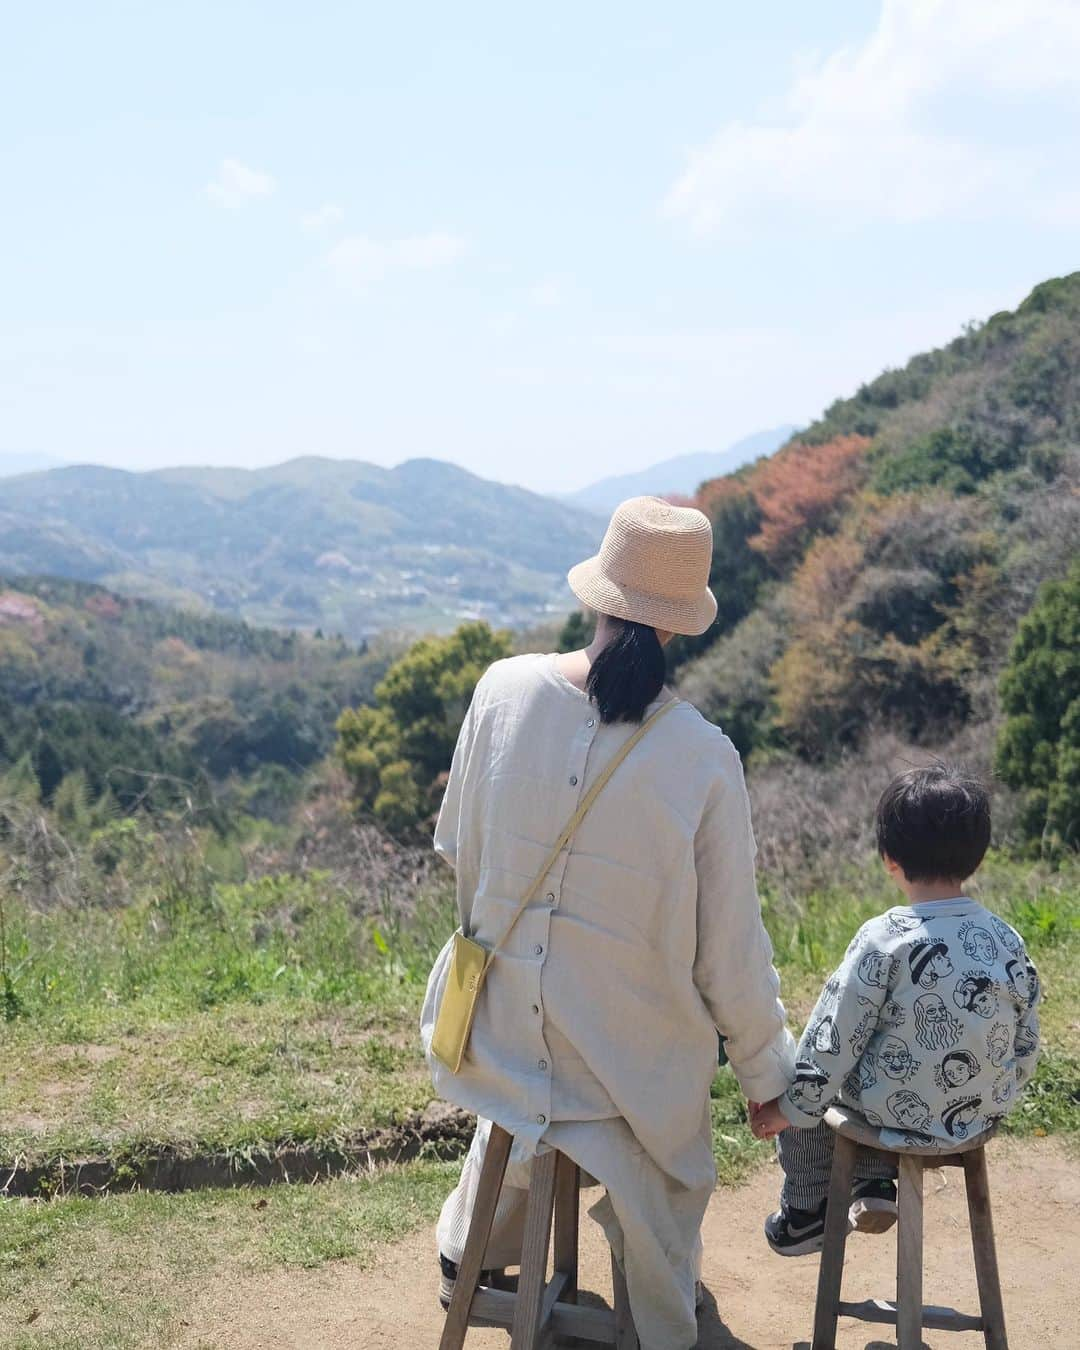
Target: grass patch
column 267, row 1014
column 251, row 1015
column 117, row 1273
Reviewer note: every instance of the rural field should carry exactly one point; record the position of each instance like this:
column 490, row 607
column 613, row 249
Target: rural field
column 243, row 1020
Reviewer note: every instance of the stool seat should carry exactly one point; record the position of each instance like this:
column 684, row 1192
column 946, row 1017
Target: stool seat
column 542, row 1311
column 851, row 1125
column 907, row 1314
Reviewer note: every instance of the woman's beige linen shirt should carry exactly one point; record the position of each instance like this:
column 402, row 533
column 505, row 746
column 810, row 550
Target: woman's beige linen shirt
column 645, row 938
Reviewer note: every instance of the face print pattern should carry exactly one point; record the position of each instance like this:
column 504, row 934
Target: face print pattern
column 933, row 1018
column 978, row 944
column 1023, row 981
column 957, row 1068
column 976, row 993
column 998, row 1044
column 810, row 1082
column 864, row 1030
column 929, row 962
column 877, row 969
column 1005, row 935
column 959, row 1116
column 862, row 1077
column 935, row 1027
column 895, row 1059
column 909, row 1109
column 823, row 1036
column 892, row 1013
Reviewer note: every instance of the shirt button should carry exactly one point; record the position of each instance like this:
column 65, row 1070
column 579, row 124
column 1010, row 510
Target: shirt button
column 536, row 1007
column 573, row 780
column 538, row 950
column 541, row 1120
column 591, row 722
column 542, row 1064
column 550, row 897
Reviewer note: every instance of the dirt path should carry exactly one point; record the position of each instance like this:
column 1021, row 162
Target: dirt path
column 757, row 1301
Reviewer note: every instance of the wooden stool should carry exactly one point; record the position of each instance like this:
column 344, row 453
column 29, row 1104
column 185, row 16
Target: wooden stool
column 541, row 1309
column 908, row 1314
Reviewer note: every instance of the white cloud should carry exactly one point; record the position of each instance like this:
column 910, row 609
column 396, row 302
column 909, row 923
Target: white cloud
column 237, row 184
column 359, row 261
column 322, row 221
column 908, row 125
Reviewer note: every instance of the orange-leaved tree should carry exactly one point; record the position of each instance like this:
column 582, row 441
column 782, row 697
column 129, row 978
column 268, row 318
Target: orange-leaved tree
column 797, row 492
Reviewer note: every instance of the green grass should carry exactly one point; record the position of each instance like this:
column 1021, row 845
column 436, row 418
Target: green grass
column 268, row 1012
column 119, row 1272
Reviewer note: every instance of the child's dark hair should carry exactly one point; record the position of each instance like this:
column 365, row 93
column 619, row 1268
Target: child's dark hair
column 934, row 822
column 628, row 674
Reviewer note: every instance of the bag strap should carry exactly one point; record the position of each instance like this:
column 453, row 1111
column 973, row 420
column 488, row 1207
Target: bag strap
column 576, row 819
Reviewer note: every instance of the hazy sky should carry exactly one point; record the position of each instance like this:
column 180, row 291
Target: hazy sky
column 547, row 242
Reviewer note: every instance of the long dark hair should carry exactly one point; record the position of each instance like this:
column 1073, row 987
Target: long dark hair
column 628, row 674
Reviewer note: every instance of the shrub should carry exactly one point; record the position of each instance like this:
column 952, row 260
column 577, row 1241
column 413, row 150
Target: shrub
column 394, row 753
column 955, row 459
column 729, row 684
column 798, row 492
column 1039, row 744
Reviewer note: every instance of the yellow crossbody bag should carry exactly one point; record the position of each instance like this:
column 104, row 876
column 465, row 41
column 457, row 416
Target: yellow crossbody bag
column 470, row 960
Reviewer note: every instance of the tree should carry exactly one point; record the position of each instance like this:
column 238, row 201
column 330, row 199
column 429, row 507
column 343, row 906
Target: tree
column 395, row 752
column 1039, row 744
column 738, row 569
column 953, row 459
column 798, row 491
column 577, row 632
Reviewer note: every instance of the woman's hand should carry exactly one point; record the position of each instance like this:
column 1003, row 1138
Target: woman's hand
column 767, row 1120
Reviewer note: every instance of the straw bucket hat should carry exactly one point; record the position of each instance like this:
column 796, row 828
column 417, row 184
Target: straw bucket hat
column 652, row 568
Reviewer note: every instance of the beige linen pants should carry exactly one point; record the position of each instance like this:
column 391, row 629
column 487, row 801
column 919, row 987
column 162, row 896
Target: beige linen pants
column 652, row 1223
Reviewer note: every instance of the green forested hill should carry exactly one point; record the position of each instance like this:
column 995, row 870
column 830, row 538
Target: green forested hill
column 147, row 703
column 874, row 570
column 342, row 545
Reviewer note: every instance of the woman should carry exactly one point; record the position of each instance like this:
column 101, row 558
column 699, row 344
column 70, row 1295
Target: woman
column 595, row 1032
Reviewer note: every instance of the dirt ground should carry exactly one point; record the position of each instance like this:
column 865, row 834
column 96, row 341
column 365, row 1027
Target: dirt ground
column 755, row 1300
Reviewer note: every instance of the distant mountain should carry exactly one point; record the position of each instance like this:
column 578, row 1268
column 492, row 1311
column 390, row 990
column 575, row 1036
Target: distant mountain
column 25, row 461
column 343, row 545
column 683, row 475
column 151, row 704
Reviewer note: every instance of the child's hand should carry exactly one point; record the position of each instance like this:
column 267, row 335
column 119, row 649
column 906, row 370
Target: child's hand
column 767, row 1120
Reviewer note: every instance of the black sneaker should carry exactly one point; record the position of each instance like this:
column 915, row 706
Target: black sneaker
column 873, row 1206
column 491, row 1279
column 796, row 1232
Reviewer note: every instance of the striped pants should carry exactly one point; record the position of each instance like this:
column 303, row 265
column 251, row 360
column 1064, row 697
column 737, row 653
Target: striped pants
column 806, row 1157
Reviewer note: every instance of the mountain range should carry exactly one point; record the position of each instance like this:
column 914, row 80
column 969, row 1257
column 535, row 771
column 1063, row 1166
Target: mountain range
column 340, row 545
column 681, row 475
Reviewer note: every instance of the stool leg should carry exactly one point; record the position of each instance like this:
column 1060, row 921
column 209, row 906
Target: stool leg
column 626, row 1337
column 831, row 1271
column 982, row 1241
column 567, row 1180
column 534, row 1253
column 909, row 1254
column 483, row 1217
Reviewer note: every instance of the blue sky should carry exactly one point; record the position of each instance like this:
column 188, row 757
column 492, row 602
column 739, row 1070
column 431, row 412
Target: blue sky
column 548, row 244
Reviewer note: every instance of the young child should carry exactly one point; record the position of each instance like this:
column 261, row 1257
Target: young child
column 929, row 1027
